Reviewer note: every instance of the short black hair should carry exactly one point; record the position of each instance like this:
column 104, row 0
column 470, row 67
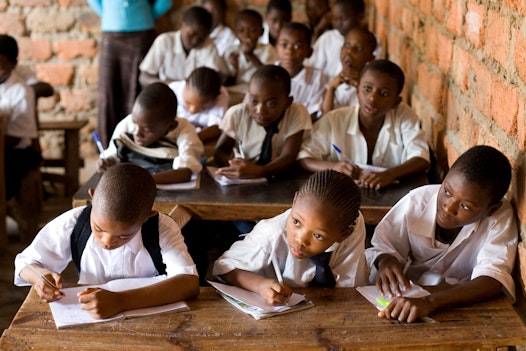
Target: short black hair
column 8, row 47
column 206, row 81
column 370, row 38
column 355, row 6
column 275, row 74
column 250, row 15
column 221, row 3
column 280, row 5
column 488, row 167
column 197, row 16
column 299, row 27
column 157, row 95
column 387, row 67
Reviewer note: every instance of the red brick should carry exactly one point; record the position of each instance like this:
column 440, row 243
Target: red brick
column 521, row 123
column 76, row 100
column 430, row 44
column 439, row 9
column 520, row 194
column 34, row 49
column 474, row 25
column 496, row 45
column 431, row 85
column 39, row 21
column 518, row 5
column 68, row 3
column 452, row 155
column 445, row 53
column 89, row 75
column 452, row 116
column 455, row 18
column 71, row 49
column 382, row 6
column 519, row 54
column 12, row 24
column 427, row 7
column 395, row 9
column 480, row 88
column 55, row 74
column 408, row 18
column 504, row 106
column 32, row 3
column 460, row 69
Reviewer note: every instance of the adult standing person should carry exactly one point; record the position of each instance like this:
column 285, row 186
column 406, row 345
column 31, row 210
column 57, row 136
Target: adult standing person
column 128, row 31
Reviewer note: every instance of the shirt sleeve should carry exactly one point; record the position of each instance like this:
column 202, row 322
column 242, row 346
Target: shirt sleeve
column 154, row 59
column 189, row 146
column 173, row 248
column 160, row 7
column 316, row 144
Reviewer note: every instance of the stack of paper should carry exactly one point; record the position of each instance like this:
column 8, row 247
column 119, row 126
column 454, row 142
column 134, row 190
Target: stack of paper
column 221, row 179
column 194, row 183
column 253, row 304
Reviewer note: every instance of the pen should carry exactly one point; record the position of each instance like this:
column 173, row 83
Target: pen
column 97, row 141
column 345, row 158
column 47, row 281
column 241, row 153
column 276, row 269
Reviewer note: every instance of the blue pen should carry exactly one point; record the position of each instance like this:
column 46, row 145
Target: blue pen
column 97, row 141
column 345, row 158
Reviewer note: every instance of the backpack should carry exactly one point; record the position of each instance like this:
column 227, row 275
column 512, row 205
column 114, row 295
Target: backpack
column 150, row 238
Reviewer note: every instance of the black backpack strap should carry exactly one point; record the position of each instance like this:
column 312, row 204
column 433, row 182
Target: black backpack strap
column 150, row 240
column 80, row 235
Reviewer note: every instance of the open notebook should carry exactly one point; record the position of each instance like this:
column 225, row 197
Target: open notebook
column 194, row 183
column 253, row 304
column 67, row 311
column 221, row 179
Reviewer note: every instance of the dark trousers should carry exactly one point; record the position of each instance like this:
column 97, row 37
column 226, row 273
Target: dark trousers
column 17, row 163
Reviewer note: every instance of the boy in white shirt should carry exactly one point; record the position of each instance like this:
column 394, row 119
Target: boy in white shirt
column 277, row 12
column 119, row 219
column 460, row 235
column 221, row 33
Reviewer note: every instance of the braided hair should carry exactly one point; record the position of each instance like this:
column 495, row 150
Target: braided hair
column 336, row 189
column 205, row 81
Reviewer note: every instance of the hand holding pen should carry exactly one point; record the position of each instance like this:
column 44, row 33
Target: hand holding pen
column 103, row 163
column 46, row 289
column 283, row 291
column 355, row 171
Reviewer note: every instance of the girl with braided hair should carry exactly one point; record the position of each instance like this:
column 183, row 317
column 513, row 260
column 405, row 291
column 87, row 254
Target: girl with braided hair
column 318, row 242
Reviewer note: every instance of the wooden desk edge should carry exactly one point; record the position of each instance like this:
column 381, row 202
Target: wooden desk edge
column 62, row 125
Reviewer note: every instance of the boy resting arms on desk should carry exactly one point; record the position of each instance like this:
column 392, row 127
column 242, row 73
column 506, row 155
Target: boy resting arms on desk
column 461, row 234
column 120, row 223
column 318, row 242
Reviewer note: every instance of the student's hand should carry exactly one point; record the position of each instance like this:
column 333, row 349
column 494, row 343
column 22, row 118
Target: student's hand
column 336, row 81
column 248, row 47
column 376, row 180
column 390, row 277
column 233, row 60
column 239, row 168
column 104, row 163
column 46, row 292
column 347, row 168
column 273, row 293
column 407, row 309
column 99, row 303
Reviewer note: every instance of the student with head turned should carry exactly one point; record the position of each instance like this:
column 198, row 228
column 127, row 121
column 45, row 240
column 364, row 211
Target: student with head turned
column 153, row 138
column 262, row 137
column 346, row 15
column 318, row 242
column 174, row 55
column 203, row 101
column 17, row 113
column 308, row 84
column 380, row 131
column 277, row 12
column 221, row 33
column 112, row 229
column 356, row 51
column 245, row 57
column 460, row 235
column 319, row 17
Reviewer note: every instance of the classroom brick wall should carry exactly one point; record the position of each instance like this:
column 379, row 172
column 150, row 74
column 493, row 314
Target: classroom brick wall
column 465, row 64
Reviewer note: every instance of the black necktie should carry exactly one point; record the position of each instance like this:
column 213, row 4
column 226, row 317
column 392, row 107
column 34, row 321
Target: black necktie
column 266, row 148
column 324, row 276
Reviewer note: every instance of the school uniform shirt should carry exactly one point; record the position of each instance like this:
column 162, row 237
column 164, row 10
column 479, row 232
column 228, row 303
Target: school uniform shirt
column 399, row 140
column 345, row 95
column 484, row 248
column 189, row 146
column 240, row 126
column 269, row 237
column 206, row 118
column 168, row 60
column 17, row 101
column 308, row 88
column 51, row 249
column 223, row 37
column 264, row 52
column 326, row 52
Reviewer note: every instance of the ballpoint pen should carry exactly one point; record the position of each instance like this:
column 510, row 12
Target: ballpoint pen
column 97, row 141
column 276, row 269
column 47, row 281
column 345, row 158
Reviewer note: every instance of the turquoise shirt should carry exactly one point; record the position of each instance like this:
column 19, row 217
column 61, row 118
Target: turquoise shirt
column 129, row 15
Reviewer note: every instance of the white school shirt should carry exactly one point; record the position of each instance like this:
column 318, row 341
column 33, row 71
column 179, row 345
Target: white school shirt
column 264, row 52
column 51, row 249
column 308, row 88
column 345, row 95
column 484, row 248
column 168, row 60
column 326, row 52
column 223, row 37
column 269, row 237
column 189, row 146
column 399, row 140
column 240, row 126
column 206, row 118
column 17, row 100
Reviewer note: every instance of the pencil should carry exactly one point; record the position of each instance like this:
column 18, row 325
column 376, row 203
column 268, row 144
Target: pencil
column 47, row 281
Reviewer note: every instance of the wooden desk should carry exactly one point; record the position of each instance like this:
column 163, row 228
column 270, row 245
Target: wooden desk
column 71, row 161
column 257, row 201
column 340, row 320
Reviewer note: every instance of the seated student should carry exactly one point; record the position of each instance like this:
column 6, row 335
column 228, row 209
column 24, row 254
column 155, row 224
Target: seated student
column 319, row 17
column 203, row 101
column 221, row 33
column 265, row 133
column 277, row 12
column 17, row 113
column 381, row 131
column 153, row 138
column 246, row 56
column 461, row 235
column 318, row 242
column 356, row 51
column 308, row 84
column 114, row 227
column 346, row 14
column 174, row 55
